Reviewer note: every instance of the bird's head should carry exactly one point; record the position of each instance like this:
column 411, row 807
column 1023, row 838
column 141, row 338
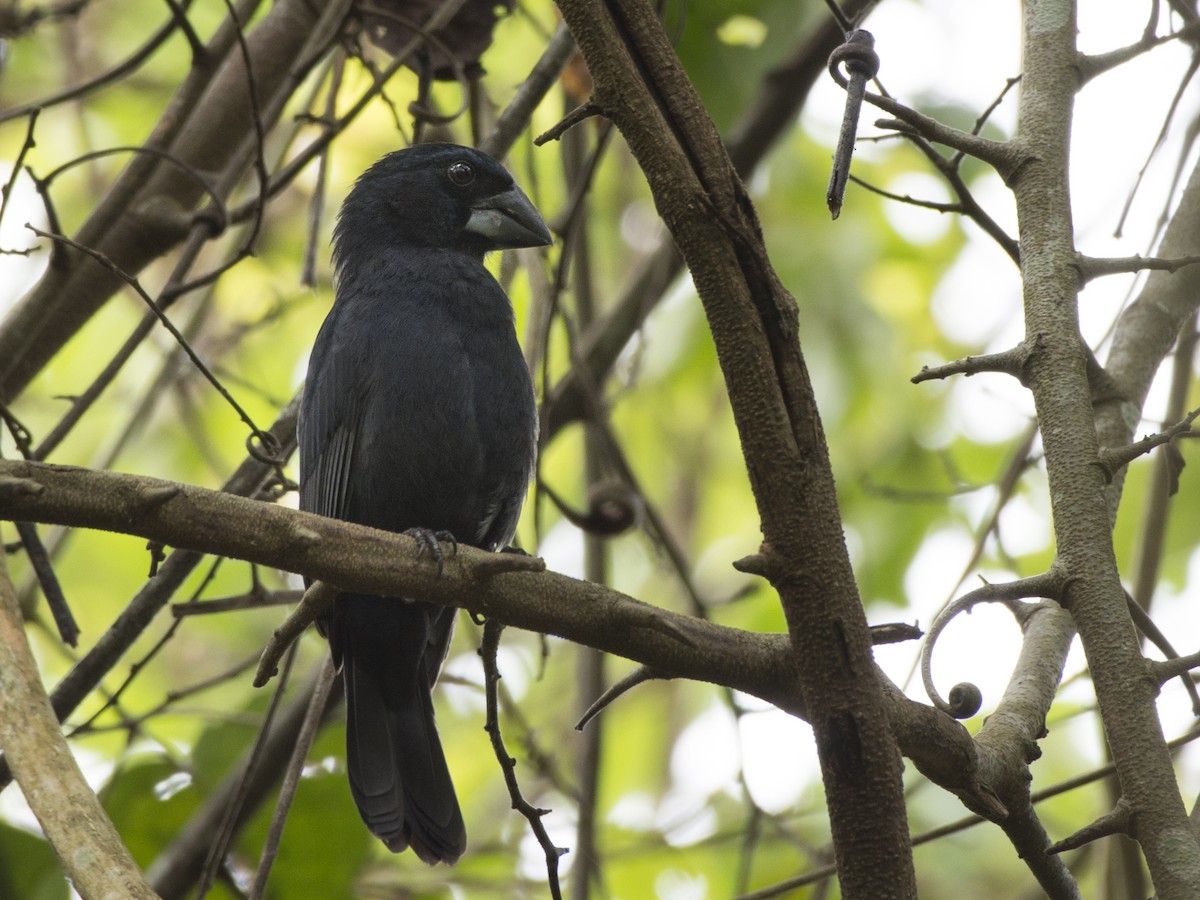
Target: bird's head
column 438, row 195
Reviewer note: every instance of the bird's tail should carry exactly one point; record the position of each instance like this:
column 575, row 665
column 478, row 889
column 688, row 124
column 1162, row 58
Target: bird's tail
column 398, row 773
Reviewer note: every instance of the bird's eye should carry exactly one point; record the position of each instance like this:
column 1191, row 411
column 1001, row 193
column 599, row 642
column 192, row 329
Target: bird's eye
column 461, row 173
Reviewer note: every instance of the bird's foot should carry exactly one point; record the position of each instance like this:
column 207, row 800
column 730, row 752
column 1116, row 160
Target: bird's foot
column 516, row 551
column 430, row 542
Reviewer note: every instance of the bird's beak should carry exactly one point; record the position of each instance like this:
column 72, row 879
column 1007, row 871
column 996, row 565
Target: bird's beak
column 508, row 220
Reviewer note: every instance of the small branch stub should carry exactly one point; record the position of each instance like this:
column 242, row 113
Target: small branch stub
column 316, row 600
column 1113, row 460
column 1118, row 820
column 1013, row 361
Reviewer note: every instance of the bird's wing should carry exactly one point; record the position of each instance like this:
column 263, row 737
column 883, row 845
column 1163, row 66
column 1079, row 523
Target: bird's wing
column 501, row 514
column 328, row 429
column 325, row 486
column 437, row 646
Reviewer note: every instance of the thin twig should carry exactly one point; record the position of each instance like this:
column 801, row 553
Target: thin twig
column 1008, row 362
column 228, row 828
column 269, row 449
column 1112, row 460
column 291, row 778
column 487, row 651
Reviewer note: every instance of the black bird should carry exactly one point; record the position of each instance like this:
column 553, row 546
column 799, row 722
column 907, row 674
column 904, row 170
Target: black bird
column 418, row 415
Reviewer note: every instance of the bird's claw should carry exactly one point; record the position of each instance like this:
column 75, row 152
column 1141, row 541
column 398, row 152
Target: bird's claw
column 430, row 542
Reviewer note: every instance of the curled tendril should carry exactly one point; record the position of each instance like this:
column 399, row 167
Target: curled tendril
column 862, row 64
column 858, row 56
column 265, row 447
column 965, row 698
column 613, row 507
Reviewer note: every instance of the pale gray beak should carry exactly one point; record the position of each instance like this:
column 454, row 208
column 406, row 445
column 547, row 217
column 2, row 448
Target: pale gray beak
column 508, row 220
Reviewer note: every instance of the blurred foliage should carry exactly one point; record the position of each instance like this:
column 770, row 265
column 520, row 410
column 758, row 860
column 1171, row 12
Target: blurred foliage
column 912, row 477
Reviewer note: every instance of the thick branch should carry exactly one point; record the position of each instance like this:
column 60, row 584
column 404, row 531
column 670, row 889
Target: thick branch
column 353, row 557
column 387, row 564
column 1058, row 379
column 96, row 860
column 781, row 95
column 1007, row 742
column 641, row 87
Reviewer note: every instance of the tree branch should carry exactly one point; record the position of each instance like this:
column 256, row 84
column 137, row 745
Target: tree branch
column 142, row 217
column 1058, row 380
column 773, row 111
column 353, row 557
column 91, row 851
column 1113, row 459
column 1008, row 362
column 1005, row 157
column 641, row 87
column 386, row 564
column 1096, row 266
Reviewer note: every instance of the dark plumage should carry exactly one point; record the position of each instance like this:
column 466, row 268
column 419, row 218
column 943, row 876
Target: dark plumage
column 418, row 413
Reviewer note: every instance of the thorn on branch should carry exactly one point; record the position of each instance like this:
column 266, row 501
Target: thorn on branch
column 895, row 633
column 1012, row 362
column 502, row 563
column 899, row 126
column 862, row 64
column 152, row 498
column 1163, row 671
column 640, row 675
column 1119, row 820
column 13, row 488
column 316, row 600
column 1174, row 664
column 305, row 537
column 1113, row 460
column 754, row 564
column 648, row 617
column 569, row 121
column 1094, row 267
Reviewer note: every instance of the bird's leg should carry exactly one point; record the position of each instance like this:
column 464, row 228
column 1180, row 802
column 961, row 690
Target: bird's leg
column 429, row 541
